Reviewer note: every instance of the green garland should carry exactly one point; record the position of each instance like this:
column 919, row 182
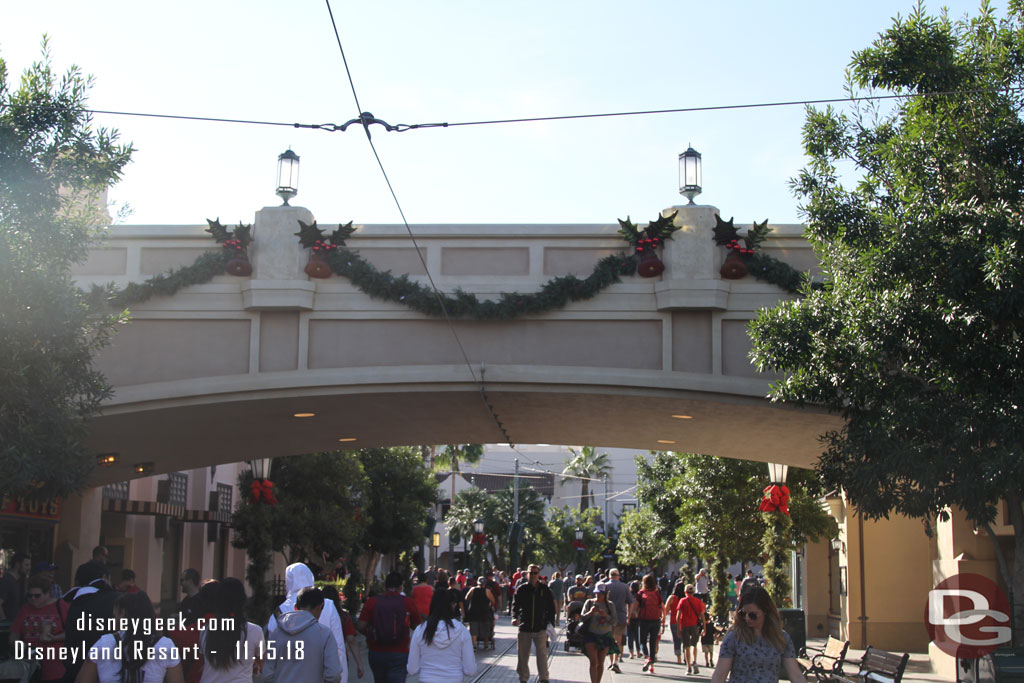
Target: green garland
column 203, row 269
column 762, row 266
column 555, row 294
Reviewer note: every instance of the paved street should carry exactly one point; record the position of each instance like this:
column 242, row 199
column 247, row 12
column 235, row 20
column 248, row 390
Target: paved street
column 499, row 665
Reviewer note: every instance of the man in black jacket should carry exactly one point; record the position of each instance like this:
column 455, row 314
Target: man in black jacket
column 92, row 599
column 533, row 609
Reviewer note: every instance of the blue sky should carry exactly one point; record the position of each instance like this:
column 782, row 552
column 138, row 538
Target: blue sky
column 454, row 60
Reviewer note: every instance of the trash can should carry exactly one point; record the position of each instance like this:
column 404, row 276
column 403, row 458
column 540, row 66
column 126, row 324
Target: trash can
column 794, row 623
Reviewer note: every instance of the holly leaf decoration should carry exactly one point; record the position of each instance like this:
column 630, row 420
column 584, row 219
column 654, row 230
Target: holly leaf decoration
column 309, row 234
column 219, row 232
column 243, row 233
column 663, row 227
column 756, row 234
column 343, row 232
column 629, row 231
column 725, row 232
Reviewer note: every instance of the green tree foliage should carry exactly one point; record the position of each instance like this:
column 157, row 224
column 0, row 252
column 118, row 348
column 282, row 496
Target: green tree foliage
column 587, row 464
column 915, row 213
column 319, row 511
column 54, row 169
column 562, row 523
column 496, row 511
column 643, row 540
column 399, row 492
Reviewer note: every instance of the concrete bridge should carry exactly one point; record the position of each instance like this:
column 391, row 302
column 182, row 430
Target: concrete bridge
column 219, row 372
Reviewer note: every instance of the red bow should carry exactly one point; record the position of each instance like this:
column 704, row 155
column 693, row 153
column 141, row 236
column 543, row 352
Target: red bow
column 262, row 491
column 479, row 538
column 776, row 497
column 578, row 545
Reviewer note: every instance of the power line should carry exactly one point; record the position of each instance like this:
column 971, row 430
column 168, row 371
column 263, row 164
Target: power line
column 366, row 119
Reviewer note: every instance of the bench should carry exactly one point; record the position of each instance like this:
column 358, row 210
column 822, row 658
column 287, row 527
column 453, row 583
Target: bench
column 827, row 662
column 876, row 666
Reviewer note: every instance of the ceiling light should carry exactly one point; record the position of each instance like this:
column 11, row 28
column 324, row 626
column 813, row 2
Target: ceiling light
column 106, row 459
column 303, row 414
column 683, row 417
column 347, row 438
column 665, row 441
column 143, row 468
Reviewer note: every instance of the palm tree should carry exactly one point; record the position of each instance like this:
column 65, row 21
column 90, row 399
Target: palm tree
column 588, row 464
column 448, row 460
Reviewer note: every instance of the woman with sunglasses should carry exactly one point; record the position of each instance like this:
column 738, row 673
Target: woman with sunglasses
column 756, row 648
column 40, row 623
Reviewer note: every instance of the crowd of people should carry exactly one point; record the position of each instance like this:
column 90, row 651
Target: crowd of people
column 433, row 632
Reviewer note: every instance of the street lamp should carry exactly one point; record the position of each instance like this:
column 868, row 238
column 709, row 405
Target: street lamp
column 579, row 549
column 777, row 473
column 689, row 173
column 435, row 543
column 478, row 540
column 287, row 176
column 478, row 527
column 260, row 468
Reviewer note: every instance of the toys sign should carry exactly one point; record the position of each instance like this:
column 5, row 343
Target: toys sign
column 968, row 616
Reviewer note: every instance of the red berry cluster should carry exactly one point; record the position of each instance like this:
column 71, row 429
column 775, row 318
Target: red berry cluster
column 645, row 243
column 320, row 245
column 735, row 246
column 235, row 244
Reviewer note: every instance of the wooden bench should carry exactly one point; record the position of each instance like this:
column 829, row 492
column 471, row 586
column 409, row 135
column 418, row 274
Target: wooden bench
column 876, row 666
column 827, row 662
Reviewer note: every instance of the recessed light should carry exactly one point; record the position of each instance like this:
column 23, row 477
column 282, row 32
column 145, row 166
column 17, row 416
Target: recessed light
column 106, row 459
column 665, row 441
column 683, row 417
column 303, row 414
column 143, row 468
column 348, row 438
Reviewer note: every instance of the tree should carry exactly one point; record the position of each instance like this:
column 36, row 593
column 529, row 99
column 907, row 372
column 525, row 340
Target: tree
column 54, row 169
column 643, row 541
column 399, row 492
column 559, row 549
column 915, row 338
column 587, row 465
column 318, row 512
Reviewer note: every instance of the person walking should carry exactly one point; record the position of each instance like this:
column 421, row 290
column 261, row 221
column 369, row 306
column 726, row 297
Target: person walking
column 441, row 649
column 90, row 600
column 141, row 657
column 599, row 620
column 690, row 611
column 229, row 654
column 756, row 648
column 731, row 593
column 652, row 619
column 12, row 585
column 620, row 595
column 678, row 593
column 480, row 606
column 296, row 577
column 749, row 582
column 386, row 620
column 533, row 609
column 300, row 631
column 633, row 623
column 702, row 586
column 348, row 628
column 422, row 593
column 557, row 586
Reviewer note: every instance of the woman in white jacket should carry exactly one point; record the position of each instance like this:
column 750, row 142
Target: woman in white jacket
column 441, row 649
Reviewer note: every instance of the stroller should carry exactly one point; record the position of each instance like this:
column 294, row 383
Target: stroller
column 573, row 637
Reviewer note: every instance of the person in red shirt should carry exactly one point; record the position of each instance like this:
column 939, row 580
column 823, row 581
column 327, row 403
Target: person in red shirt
column 40, row 623
column 422, row 594
column 690, row 617
column 387, row 620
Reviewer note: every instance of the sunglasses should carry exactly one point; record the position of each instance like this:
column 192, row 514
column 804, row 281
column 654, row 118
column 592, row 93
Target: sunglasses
column 750, row 614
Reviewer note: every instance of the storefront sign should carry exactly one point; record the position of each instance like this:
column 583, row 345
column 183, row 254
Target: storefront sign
column 34, row 509
column 968, row 616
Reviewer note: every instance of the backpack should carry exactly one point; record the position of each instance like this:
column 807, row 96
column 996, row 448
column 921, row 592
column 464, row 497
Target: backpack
column 650, row 609
column 390, row 626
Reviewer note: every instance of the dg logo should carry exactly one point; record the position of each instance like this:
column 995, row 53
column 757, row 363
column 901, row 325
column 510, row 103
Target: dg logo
column 968, row 616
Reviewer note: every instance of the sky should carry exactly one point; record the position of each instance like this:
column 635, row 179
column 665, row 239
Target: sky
column 454, row 61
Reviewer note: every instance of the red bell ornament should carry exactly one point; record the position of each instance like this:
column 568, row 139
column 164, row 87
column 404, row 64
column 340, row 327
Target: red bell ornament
column 734, row 268
column 650, row 265
column 318, row 267
column 239, row 265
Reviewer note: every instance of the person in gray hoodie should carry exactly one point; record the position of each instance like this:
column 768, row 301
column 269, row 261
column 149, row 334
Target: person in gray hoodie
column 296, row 577
column 300, row 649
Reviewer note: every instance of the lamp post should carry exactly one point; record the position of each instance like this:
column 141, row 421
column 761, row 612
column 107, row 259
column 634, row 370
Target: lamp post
column 579, row 549
column 478, row 541
column 776, row 541
column 690, row 173
column 435, row 543
column 287, row 176
column 777, row 473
